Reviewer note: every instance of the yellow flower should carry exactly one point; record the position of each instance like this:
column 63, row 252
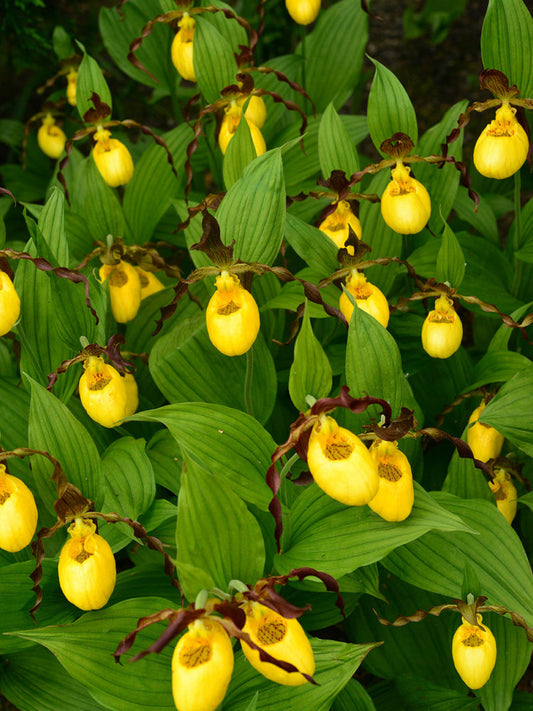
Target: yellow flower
column 367, row 297
column 18, row 513
column 336, row 225
column 505, row 493
column 474, row 653
column 72, row 80
column 103, row 393
column 124, row 290
column 256, row 111
column 395, row 497
column 112, row 159
column 150, row 284
column 181, row 51
column 50, row 138
column 340, row 463
column 9, row 304
column 132, row 395
column 442, row 331
column 232, row 316
column 405, row 203
column 503, row 145
column 87, row 571
column 484, row 441
column 303, row 12
column 202, row 665
column 281, row 637
column 229, row 125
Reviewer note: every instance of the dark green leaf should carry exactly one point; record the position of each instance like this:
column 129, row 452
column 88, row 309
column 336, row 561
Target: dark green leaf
column 335, row 148
column 239, row 153
column 213, row 60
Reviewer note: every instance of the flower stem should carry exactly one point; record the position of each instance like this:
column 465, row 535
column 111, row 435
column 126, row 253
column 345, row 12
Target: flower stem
column 517, row 234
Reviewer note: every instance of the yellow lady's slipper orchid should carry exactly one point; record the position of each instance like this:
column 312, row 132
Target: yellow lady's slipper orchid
column 50, row 138
column 132, row 395
column 367, row 297
column 202, row 665
column 303, row 12
column 474, row 653
column 405, row 203
column 281, row 637
column 340, row 463
column 232, row 316
column 9, row 304
column 18, row 513
column 103, row 393
column 124, row 289
column 484, row 441
column 150, row 284
column 112, row 158
column 256, row 111
column 442, row 331
column 336, row 226
column 395, row 497
column 72, row 81
column 87, row 570
column 505, row 493
column 181, row 51
column 503, row 145
column 229, row 125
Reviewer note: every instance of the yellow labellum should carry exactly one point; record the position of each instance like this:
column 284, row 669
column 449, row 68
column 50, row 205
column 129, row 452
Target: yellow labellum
column 474, row 653
column 336, row 226
column 112, row 158
column 442, row 331
column 124, row 290
column 104, row 394
column 484, row 441
column 503, row 145
column 232, row 316
column 395, row 497
column 72, row 81
column 181, row 51
column 18, row 513
column 505, row 494
column 303, row 12
column 367, row 297
column 50, row 138
column 405, row 203
column 230, row 123
column 150, row 284
column 9, row 304
column 256, row 111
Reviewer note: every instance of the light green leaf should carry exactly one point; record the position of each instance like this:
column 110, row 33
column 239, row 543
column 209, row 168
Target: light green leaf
column 335, row 148
column 450, row 259
column 90, row 79
column 497, row 366
column 312, row 245
column 213, row 60
column 239, row 153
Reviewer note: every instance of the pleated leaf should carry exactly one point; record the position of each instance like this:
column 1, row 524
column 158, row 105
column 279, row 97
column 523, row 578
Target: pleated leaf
column 497, row 366
column 226, row 442
column 389, row 108
column 436, row 561
column 353, row 697
column 329, row 536
column 213, row 60
column 312, row 245
column 450, row 259
column 507, row 42
column 465, row 480
column 90, row 79
column 335, row 148
column 239, row 153
column 253, row 211
column 230, row 545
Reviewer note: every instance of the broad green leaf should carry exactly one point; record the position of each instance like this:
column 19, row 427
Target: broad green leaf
column 230, row 545
column 90, row 79
column 118, row 32
column 54, row 429
column 482, row 219
column 312, row 245
column 34, row 680
column 337, row 539
column 239, row 153
column 228, row 28
column 187, row 367
column 500, row 340
column 450, row 259
column 507, row 41
column 253, row 211
column 336, row 663
column 389, row 108
column 335, row 148
column 153, row 176
column 85, row 647
column 510, row 411
column 62, row 43
column 213, row 60
column 310, row 372
column 497, row 366
column 331, row 74
column 226, row 442
column 465, row 480
column 436, row 561
column 353, row 697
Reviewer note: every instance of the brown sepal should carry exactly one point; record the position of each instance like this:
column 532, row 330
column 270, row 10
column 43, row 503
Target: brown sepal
column 398, row 428
column 100, row 112
column 498, row 84
column 5, row 191
column 397, row 146
column 211, row 244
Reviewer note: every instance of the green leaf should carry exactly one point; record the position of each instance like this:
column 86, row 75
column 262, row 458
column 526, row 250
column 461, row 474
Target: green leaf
column 353, row 697
column 312, row 245
column 90, row 79
column 62, row 43
column 510, row 411
column 253, row 211
column 226, row 442
column 465, row 480
column 239, row 153
column 334, row 52
column 437, row 560
column 54, row 429
column 85, row 647
column 337, row 539
column 497, row 367
column 335, row 148
column 213, row 60
column 310, row 372
column 230, row 545
column 389, row 108
column 336, row 663
column 507, row 41
column 500, row 340
column 450, row 259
